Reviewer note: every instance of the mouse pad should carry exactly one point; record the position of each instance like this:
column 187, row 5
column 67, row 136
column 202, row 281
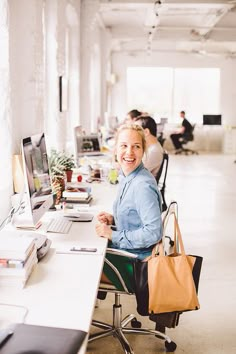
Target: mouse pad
column 43, row 340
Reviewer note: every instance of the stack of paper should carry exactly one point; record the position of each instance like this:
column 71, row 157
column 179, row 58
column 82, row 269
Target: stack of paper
column 18, row 257
column 77, row 195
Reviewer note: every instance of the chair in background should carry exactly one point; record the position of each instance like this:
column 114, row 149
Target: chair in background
column 161, row 178
column 187, row 138
column 118, row 268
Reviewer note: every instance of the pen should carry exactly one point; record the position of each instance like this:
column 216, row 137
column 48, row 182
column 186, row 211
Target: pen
column 83, row 249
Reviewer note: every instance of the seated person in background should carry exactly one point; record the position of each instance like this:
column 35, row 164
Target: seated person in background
column 131, row 115
column 137, row 208
column 185, row 130
column 153, row 157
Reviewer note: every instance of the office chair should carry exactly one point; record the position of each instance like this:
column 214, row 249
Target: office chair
column 118, row 268
column 161, row 139
column 184, row 140
column 161, row 178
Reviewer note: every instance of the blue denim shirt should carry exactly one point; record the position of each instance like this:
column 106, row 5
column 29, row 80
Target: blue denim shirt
column 137, row 213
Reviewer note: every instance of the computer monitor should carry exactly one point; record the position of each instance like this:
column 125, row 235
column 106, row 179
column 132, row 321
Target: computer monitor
column 87, row 145
column 164, row 120
column 211, row 119
column 38, row 191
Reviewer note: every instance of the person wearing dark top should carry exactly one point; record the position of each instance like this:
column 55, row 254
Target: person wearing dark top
column 185, row 130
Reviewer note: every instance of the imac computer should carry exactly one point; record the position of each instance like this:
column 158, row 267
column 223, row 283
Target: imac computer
column 37, row 197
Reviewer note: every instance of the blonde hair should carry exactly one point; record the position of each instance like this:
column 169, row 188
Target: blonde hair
column 135, row 127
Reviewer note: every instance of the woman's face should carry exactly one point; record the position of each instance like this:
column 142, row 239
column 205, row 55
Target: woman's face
column 129, row 150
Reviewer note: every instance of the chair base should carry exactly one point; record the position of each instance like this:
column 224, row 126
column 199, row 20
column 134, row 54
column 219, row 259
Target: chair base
column 119, row 328
column 186, row 151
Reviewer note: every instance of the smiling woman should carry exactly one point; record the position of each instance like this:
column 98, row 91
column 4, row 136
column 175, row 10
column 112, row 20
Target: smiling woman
column 135, row 225
column 130, row 147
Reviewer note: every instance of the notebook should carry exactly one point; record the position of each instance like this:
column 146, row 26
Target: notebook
column 43, row 340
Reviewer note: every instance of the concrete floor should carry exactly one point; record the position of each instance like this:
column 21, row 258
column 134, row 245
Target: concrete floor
column 205, row 188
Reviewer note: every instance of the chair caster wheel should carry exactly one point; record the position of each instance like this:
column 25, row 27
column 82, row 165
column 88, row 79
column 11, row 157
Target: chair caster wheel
column 135, row 323
column 170, row 346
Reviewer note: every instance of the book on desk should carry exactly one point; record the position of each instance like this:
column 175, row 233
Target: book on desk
column 18, row 257
column 77, row 195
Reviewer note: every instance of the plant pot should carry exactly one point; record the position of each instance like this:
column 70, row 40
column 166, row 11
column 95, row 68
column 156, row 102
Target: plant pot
column 69, row 175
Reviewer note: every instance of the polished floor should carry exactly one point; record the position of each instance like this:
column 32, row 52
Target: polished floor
column 205, row 188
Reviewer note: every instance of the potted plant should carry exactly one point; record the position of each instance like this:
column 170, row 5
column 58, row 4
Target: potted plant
column 69, row 163
column 59, row 163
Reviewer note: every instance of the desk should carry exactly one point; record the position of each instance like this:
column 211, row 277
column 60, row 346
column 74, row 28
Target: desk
column 61, row 291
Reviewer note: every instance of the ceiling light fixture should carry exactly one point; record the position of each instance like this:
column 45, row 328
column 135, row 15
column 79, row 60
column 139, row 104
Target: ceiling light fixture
column 157, row 5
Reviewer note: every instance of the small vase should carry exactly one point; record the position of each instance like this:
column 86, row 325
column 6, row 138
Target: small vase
column 69, row 175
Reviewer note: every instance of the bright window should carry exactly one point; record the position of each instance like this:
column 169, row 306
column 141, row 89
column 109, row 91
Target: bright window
column 164, row 92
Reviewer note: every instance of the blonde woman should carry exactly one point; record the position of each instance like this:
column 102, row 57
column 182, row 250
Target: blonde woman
column 135, row 225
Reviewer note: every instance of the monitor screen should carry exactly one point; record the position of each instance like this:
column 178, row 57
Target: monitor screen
column 87, row 145
column 211, row 119
column 164, row 120
column 38, row 190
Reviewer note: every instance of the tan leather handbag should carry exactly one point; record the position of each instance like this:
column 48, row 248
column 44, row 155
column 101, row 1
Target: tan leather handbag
column 170, row 279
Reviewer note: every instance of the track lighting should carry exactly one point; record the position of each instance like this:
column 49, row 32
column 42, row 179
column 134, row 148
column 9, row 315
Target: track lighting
column 157, row 5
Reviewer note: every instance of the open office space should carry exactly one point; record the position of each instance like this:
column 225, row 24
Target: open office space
column 85, row 64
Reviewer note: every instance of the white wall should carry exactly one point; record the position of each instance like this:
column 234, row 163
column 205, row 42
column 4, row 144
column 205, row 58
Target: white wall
column 5, row 113
column 121, row 61
column 95, row 57
column 39, row 41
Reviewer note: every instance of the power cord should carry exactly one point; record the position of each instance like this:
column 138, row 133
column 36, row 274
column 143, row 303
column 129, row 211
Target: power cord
column 12, row 212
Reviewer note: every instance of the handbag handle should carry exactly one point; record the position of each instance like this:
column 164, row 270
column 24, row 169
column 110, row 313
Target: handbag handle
column 165, row 220
column 177, row 237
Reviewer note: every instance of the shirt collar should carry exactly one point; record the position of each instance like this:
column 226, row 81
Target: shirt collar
column 133, row 173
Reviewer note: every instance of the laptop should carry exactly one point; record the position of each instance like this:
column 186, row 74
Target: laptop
column 32, row 339
column 88, row 145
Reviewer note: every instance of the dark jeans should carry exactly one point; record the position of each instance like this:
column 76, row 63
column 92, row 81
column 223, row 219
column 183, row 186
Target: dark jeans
column 176, row 140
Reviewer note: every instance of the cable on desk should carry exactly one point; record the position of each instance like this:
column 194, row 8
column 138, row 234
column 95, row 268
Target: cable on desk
column 12, row 212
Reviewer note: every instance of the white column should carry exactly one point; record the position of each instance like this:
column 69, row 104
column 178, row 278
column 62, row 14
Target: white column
column 5, row 117
column 89, row 85
column 26, row 67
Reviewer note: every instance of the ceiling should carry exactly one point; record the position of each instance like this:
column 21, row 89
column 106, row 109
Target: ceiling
column 201, row 27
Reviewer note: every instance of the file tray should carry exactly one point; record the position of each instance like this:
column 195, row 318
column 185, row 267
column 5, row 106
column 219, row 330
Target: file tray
column 43, row 340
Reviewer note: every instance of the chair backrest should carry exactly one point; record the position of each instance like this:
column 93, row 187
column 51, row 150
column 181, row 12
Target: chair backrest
column 189, row 136
column 161, row 178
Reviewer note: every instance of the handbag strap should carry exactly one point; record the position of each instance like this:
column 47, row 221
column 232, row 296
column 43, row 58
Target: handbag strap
column 178, row 236
column 159, row 247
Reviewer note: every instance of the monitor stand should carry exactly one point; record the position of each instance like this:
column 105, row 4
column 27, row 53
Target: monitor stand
column 24, row 221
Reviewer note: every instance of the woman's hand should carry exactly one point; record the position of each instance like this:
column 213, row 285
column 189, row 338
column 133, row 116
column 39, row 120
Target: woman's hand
column 105, row 218
column 104, row 230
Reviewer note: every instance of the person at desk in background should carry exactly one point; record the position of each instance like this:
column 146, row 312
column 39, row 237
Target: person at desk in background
column 186, row 129
column 153, row 157
column 137, row 208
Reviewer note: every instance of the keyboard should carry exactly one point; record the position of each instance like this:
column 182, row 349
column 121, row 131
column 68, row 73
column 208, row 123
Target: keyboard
column 59, row 225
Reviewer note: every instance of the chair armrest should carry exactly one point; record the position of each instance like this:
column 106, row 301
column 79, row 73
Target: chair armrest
column 119, row 252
